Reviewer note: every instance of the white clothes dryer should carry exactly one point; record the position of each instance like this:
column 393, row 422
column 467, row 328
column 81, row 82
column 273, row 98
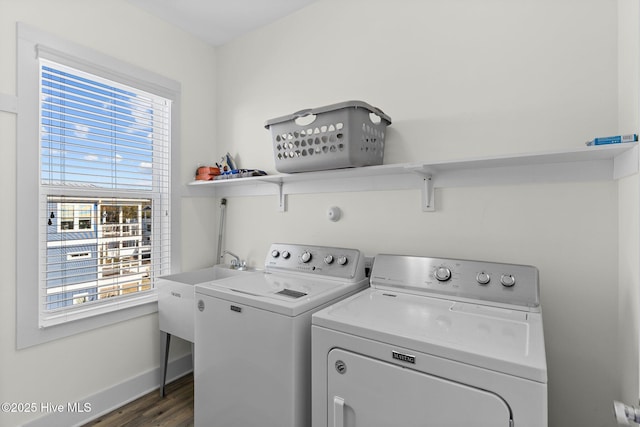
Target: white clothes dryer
column 433, row 342
column 253, row 358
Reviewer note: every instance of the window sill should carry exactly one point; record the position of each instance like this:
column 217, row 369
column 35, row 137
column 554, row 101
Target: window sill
column 93, row 310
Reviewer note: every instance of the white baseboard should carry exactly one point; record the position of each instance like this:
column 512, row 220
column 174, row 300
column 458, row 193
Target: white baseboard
column 114, row 397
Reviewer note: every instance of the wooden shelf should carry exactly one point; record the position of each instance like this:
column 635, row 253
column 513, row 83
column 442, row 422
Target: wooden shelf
column 607, row 162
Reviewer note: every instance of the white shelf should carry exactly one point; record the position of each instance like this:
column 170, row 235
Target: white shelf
column 607, row 162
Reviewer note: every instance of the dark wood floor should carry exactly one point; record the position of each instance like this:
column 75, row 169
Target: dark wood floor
column 174, row 410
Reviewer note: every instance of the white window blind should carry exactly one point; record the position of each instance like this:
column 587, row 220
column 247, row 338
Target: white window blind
column 104, row 193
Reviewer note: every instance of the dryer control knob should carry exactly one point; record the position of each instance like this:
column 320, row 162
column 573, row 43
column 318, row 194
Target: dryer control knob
column 443, row 274
column 305, row 257
column 342, row 260
column 286, row 254
column 483, row 278
column 328, row 259
column 275, row 253
column 507, row 280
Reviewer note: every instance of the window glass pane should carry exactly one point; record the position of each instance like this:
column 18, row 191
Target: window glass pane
column 95, row 131
column 84, row 217
column 112, row 259
column 66, row 217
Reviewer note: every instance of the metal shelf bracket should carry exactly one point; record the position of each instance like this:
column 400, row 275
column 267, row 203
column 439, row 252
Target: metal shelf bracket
column 426, row 189
column 282, row 198
column 428, row 202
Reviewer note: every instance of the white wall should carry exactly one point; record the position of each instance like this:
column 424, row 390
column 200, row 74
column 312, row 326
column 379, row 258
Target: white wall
column 76, row 367
column 629, row 209
column 459, row 78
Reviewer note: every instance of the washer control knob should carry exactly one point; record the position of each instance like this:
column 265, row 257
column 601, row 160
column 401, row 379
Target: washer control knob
column 342, row 260
column 443, row 274
column 275, row 253
column 507, row 280
column 483, row 278
column 305, row 257
column 286, row 254
column 328, row 259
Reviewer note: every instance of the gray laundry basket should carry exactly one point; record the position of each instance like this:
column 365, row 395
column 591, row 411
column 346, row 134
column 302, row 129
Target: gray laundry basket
column 348, row 134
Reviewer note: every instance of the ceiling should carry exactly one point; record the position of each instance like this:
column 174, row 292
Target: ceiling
column 220, row 21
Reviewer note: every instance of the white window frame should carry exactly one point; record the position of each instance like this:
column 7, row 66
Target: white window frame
column 30, row 42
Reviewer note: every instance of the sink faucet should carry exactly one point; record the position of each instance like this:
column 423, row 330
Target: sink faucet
column 236, row 263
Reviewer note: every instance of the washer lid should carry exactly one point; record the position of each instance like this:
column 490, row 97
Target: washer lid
column 289, row 295
column 499, row 339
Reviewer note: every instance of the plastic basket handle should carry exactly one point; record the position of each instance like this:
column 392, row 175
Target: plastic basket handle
column 378, row 113
column 304, row 113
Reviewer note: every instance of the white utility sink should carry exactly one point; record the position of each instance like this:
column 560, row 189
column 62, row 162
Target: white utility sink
column 176, row 297
column 177, row 306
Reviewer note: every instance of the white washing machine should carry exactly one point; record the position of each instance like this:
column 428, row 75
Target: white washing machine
column 433, row 342
column 253, row 358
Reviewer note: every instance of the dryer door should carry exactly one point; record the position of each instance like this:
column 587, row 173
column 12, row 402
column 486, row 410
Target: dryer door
column 367, row 392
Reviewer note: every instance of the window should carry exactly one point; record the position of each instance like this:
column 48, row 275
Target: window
column 103, row 133
column 97, row 136
column 73, row 217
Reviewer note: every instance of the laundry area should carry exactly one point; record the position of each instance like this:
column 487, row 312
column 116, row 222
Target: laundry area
column 372, row 213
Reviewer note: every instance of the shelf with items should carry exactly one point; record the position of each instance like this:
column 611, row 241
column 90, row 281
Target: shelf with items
column 607, row 162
